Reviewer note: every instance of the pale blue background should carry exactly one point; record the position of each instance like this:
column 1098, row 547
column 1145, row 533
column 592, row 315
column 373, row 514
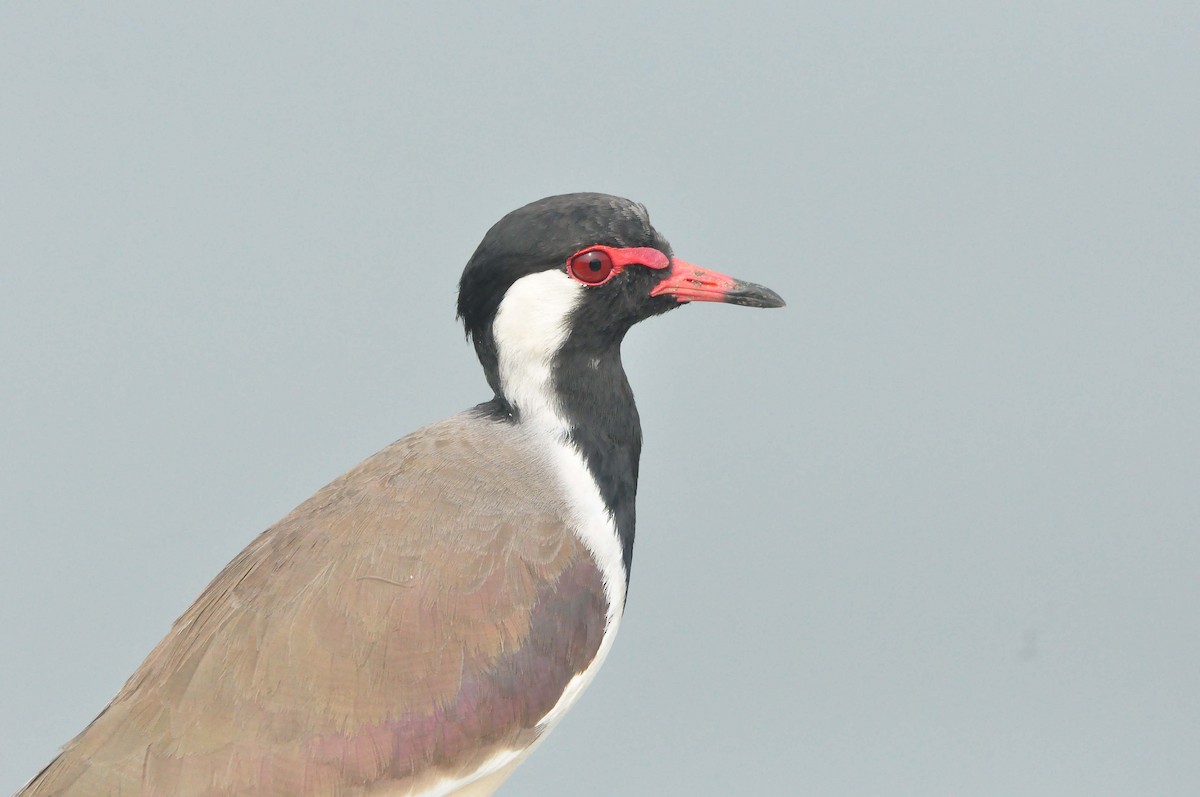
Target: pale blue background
column 931, row 530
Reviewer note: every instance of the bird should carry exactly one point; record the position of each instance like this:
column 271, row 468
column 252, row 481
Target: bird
column 419, row 625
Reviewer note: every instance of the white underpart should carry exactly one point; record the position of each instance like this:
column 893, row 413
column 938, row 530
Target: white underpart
column 529, row 329
column 447, row 787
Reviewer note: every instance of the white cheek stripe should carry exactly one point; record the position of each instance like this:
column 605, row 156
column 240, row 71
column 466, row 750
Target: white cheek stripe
column 529, row 329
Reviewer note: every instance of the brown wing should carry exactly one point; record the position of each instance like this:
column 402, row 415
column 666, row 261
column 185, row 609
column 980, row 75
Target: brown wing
column 407, row 622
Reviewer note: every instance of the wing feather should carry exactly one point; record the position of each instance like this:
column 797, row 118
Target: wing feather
column 406, row 623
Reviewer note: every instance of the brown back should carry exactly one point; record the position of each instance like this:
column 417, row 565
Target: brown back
column 411, row 619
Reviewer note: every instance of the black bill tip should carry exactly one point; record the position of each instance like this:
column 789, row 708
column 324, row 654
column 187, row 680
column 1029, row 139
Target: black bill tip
column 749, row 294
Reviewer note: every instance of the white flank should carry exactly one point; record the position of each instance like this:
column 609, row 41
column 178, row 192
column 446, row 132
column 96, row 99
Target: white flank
column 450, row 786
column 530, row 327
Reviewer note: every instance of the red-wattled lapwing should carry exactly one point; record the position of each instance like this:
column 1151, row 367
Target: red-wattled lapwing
column 416, row 627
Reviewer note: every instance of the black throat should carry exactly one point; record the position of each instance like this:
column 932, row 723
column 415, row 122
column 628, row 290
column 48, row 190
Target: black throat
column 598, row 405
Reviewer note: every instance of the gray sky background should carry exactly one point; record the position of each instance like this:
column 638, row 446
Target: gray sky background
column 931, row 530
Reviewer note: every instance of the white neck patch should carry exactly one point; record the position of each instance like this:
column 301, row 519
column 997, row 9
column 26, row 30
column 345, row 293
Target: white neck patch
column 530, row 327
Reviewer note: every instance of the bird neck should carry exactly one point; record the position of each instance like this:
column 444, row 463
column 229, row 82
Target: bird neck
column 563, row 381
column 580, row 398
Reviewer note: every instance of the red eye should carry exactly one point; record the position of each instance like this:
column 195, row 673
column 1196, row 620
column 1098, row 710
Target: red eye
column 592, row 267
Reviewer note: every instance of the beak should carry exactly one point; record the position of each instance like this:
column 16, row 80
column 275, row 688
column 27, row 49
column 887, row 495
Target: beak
column 691, row 283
